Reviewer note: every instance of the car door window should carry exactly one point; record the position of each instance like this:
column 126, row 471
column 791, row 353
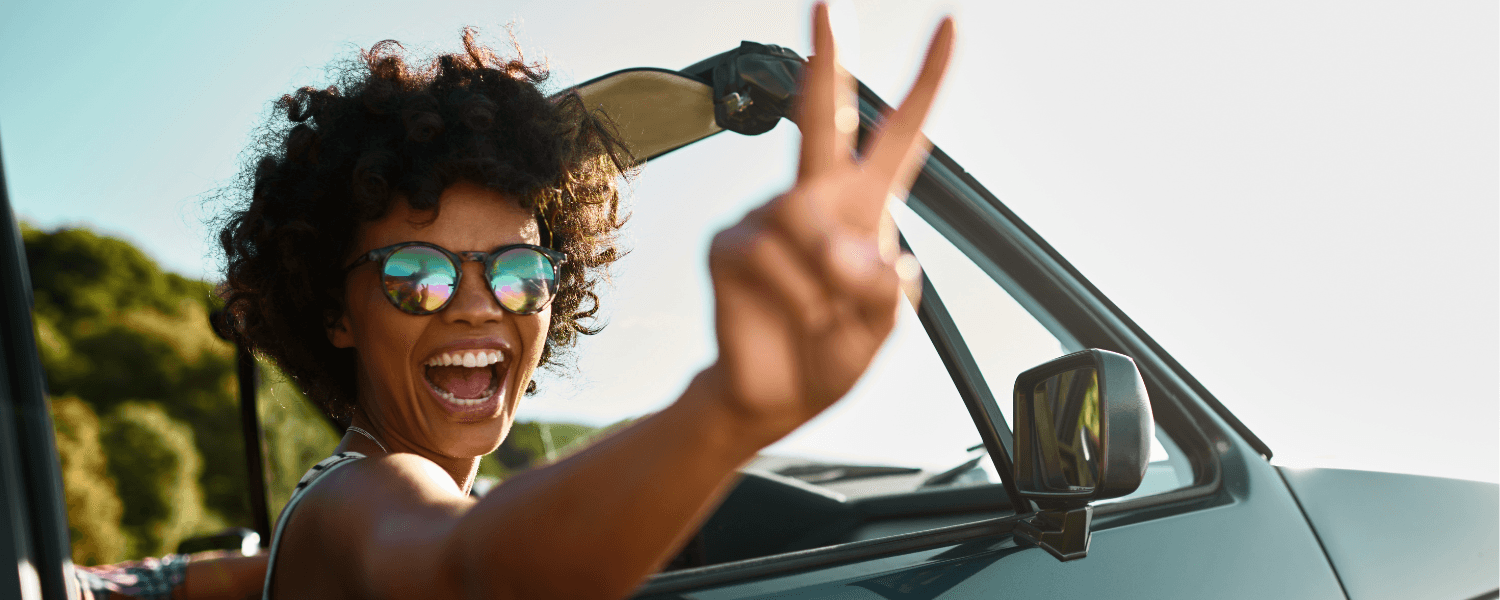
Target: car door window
column 1006, row 338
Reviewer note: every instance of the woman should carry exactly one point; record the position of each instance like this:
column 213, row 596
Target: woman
column 419, row 241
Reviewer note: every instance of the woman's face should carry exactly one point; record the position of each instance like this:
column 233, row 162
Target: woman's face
column 414, row 402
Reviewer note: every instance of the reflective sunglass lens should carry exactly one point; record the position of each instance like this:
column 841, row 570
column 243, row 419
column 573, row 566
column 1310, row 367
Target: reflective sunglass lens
column 523, row 280
column 419, row 279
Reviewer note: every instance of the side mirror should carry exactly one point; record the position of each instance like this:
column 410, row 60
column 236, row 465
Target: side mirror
column 1083, row 433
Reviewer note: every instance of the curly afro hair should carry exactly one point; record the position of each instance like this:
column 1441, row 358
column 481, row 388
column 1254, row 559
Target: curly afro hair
column 389, row 130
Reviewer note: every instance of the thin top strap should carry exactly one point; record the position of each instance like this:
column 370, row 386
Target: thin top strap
column 323, row 467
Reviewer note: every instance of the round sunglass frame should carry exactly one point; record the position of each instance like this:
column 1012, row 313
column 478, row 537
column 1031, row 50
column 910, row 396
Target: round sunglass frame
column 379, row 256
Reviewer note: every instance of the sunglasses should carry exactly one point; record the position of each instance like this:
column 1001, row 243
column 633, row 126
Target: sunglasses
column 421, row 278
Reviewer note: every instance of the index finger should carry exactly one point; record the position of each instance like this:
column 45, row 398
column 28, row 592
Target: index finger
column 825, row 104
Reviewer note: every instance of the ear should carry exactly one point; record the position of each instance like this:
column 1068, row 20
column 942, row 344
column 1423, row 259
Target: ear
column 339, row 333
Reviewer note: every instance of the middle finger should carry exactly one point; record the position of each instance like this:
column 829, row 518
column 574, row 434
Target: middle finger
column 898, row 147
column 826, row 112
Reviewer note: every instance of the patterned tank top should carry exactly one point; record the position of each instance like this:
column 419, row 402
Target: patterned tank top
column 324, row 467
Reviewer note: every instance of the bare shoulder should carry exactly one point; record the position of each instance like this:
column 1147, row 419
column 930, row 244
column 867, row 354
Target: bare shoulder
column 380, row 488
column 379, row 482
column 360, row 519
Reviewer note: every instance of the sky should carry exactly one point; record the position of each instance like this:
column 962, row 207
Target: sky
column 1299, row 200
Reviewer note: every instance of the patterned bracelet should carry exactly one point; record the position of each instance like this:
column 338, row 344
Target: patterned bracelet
column 148, row 579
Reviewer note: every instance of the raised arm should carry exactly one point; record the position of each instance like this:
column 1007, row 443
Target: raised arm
column 806, row 289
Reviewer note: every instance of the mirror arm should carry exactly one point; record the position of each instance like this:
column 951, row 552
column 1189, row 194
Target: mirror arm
column 1062, row 532
column 969, row 381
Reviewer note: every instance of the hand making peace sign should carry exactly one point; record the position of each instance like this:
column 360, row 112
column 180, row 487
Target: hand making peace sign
column 806, row 287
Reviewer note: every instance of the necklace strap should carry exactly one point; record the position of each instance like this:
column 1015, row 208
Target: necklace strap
column 368, row 435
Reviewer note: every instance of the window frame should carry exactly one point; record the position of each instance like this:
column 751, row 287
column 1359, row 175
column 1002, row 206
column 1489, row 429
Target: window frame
column 977, row 223
column 31, row 490
column 962, row 209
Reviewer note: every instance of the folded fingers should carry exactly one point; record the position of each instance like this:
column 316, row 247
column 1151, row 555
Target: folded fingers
column 820, row 275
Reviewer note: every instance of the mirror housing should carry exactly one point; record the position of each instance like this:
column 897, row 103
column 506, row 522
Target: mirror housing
column 1083, row 433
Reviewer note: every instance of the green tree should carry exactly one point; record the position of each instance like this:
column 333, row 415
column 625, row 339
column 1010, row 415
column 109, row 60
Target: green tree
column 94, row 507
column 156, row 467
column 112, row 326
column 534, row 443
column 78, row 275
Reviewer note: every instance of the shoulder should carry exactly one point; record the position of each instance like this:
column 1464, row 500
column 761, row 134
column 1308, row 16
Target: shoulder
column 350, row 518
column 378, row 486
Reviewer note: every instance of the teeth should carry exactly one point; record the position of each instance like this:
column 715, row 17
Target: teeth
column 470, row 359
column 467, row 358
column 459, row 401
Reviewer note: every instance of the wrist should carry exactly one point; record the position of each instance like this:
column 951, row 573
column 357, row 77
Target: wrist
column 725, row 431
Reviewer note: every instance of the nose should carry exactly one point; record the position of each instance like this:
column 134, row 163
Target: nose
column 473, row 304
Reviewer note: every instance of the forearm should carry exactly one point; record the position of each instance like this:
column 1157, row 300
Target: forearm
column 599, row 522
column 223, row 575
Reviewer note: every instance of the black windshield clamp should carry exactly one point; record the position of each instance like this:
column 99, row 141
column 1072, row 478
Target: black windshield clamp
column 1063, row 532
column 755, row 85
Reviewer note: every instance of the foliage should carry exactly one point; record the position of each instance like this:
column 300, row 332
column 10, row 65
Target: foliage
column 78, row 276
column 534, row 443
column 112, row 327
column 94, row 508
column 156, row 467
column 296, row 435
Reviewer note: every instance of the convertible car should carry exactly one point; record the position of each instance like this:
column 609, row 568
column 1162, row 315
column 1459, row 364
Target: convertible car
column 1086, row 462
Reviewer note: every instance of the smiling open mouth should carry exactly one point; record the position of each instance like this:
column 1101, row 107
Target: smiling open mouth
column 464, row 378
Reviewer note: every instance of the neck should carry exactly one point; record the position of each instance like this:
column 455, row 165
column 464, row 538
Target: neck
column 462, row 470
